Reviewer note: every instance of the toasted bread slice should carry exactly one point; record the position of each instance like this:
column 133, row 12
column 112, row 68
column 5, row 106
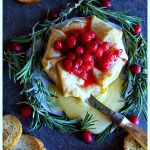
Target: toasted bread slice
column 12, row 130
column 28, row 1
column 40, row 143
column 131, row 144
column 27, row 142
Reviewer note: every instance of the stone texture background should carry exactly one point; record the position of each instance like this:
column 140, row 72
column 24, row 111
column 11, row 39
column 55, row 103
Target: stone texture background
column 19, row 19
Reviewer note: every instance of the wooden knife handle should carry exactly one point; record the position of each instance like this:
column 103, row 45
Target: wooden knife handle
column 136, row 132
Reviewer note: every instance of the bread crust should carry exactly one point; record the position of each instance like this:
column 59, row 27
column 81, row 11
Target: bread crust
column 12, row 130
column 27, row 142
column 131, row 144
column 29, row 1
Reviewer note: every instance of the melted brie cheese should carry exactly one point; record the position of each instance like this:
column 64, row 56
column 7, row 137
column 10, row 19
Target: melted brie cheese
column 70, row 84
column 75, row 108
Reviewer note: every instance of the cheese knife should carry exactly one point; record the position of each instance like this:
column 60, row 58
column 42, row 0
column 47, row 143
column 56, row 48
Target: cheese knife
column 137, row 133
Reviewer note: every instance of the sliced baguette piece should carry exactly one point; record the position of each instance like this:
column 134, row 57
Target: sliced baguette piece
column 28, row 1
column 131, row 144
column 12, row 130
column 40, row 143
column 28, row 142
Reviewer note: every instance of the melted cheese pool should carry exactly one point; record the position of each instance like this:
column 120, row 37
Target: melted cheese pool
column 74, row 107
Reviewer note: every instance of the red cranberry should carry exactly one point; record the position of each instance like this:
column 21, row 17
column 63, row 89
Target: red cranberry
column 98, row 41
column 134, row 119
column 105, row 46
column 67, row 64
column 79, row 61
column 135, row 68
column 84, row 75
column 136, row 29
column 88, row 66
column 87, row 137
column 26, row 111
column 107, row 61
column 87, row 37
column 106, row 3
column 91, row 47
column 79, row 50
column 98, row 53
column 71, row 56
column 118, row 52
column 16, row 47
column 58, row 45
column 54, row 15
column 71, row 42
column 87, row 58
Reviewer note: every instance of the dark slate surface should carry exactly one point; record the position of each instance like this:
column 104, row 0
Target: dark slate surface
column 19, row 19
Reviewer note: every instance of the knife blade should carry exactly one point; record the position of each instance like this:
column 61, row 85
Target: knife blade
column 115, row 116
column 137, row 133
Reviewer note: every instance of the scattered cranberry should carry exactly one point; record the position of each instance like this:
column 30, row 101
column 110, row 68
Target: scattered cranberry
column 54, row 15
column 87, row 137
column 79, row 50
column 136, row 29
column 58, row 45
column 84, row 75
column 71, row 56
column 106, row 3
column 98, row 53
column 67, row 64
column 91, row 47
column 26, row 111
column 105, row 46
column 16, row 47
column 71, row 42
column 135, row 68
column 134, row 119
column 87, row 58
column 87, row 37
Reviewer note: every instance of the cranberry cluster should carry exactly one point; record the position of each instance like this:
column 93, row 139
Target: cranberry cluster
column 84, row 51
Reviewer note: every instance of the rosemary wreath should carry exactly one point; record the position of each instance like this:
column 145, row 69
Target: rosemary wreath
column 21, row 68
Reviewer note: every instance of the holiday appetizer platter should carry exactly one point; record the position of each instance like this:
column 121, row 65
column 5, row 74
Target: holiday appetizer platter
column 62, row 62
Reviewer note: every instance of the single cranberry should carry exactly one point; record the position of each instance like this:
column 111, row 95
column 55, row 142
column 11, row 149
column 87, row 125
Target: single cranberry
column 16, row 47
column 53, row 15
column 26, row 111
column 67, row 64
column 134, row 119
column 88, row 66
column 135, row 68
column 98, row 41
column 79, row 50
column 87, row 37
column 118, row 52
column 136, row 29
column 71, row 56
column 79, row 61
column 91, row 47
column 98, row 53
column 87, row 58
column 84, row 75
column 106, row 3
column 105, row 46
column 71, row 42
column 87, row 137
column 58, row 45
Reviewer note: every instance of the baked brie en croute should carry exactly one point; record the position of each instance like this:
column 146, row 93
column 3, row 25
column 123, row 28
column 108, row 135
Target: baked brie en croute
column 85, row 57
